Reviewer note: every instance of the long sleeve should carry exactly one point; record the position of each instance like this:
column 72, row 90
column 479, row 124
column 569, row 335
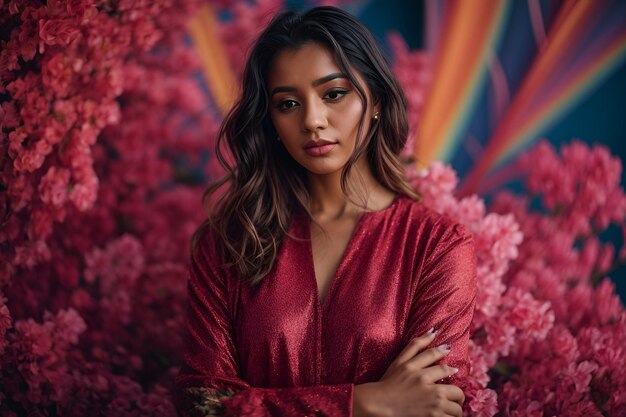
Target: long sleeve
column 209, row 382
column 445, row 297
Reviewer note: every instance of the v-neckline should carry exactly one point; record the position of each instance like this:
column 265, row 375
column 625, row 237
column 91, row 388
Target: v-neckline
column 357, row 226
column 322, row 304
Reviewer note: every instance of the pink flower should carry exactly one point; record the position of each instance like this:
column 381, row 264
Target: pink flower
column 547, row 176
column 84, row 194
column 489, row 295
column 16, row 140
column 107, row 114
column 54, row 132
column 499, row 236
column 53, row 187
column 145, row 33
column 501, row 336
column 77, row 7
column 590, row 340
column 9, row 58
column 82, row 300
column 28, row 161
column 481, row 360
column 612, row 211
column 585, row 408
column 68, row 326
column 36, row 339
column 41, row 224
column 438, row 179
column 5, row 324
column 563, row 344
column 65, row 113
column 605, row 258
column 5, row 319
column 28, row 40
column 578, row 298
column 31, row 253
column 605, row 171
column 617, row 401
column 483, row 403
column 531, row 317
column 57, row 73
column 120, row 263
column 575, row 156
column 580, row 375
column 528, row 409
column 9, row 118
column 68, row 272
column 118, row 305
column 607, row 302
column 57, row 32
column 20, row 192
column 471, row 212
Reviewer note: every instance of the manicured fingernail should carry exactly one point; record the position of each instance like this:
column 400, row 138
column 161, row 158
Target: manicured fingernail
column 454, row 370
column 430, row 332
column 445, row 348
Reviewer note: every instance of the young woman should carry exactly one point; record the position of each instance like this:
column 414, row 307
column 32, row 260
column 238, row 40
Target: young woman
column 318, row 274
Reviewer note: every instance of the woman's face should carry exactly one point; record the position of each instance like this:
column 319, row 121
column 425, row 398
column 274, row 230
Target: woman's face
column 315, row 108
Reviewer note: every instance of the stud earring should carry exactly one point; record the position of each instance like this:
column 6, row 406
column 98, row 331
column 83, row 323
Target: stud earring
column 376, row 116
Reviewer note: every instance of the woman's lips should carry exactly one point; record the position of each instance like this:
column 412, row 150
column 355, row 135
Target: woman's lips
column 319, row 147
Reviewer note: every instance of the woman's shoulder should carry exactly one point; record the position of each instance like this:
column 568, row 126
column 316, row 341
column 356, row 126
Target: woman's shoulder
column 205, row 243
column 208, row 261
column 419, row 216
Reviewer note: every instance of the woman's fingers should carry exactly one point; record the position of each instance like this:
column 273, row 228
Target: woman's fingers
column 434, row 373
column 453, row 393
column 452, row 409
column 428, row 357
column 413, row 347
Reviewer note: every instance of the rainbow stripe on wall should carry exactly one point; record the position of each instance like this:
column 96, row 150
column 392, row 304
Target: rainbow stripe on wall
column 469, row 33
column 219, row 75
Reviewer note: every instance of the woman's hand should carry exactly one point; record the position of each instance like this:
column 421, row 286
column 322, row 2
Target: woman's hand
column 409, row 389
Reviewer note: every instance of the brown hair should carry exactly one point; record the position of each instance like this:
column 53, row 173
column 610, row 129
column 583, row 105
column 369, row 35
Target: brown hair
column 250, row 218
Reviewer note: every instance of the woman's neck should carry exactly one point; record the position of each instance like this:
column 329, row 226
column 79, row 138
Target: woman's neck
column 328, row 201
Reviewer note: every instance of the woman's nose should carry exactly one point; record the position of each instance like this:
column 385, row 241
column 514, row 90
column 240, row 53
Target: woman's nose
column 315, row 116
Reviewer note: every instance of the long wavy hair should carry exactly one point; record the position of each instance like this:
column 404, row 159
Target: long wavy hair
column 263, row 183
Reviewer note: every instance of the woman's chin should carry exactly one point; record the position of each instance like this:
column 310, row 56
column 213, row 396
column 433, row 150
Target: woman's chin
column 319, row 168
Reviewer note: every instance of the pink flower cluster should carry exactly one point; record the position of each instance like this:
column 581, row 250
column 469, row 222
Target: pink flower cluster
column 54, row 114
column 97, row 214
column 563, row 263
column 584, row 182
column 549, row 330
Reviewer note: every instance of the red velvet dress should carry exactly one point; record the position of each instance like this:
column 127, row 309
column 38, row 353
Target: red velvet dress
column 277, row 351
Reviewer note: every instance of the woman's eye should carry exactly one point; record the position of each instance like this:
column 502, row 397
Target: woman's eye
column 336, row 94
column 286, row 105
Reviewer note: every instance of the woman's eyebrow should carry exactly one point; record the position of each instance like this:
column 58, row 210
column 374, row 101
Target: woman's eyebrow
column 315, row 83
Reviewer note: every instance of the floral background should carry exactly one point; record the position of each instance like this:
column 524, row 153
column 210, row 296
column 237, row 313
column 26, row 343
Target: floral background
column 105, row 139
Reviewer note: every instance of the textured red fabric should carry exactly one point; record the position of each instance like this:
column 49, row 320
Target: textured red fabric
column 281, row 352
